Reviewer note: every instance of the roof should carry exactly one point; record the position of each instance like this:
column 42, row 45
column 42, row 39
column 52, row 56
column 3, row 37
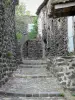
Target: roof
column 41, row 6
column 53, row 2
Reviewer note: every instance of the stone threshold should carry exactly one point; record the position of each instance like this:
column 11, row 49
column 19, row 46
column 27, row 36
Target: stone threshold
column 33, row 63
column 52, row 94
column 32, row 67
column 32, row 76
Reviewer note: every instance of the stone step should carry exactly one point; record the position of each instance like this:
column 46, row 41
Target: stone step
column 31, row 86
column 33, row 66
column 31, row 98
column 31, row 72
column 49, row 94
column 29, row 76
column 36, row 62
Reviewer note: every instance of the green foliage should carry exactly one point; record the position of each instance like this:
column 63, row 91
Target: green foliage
column 73, row 95
column 9, row 54
column 34, row 31
column 31, row 36
column 20, row 10
column 62, row 95
column 27, row 13
column 20, row 20
column 19, row 35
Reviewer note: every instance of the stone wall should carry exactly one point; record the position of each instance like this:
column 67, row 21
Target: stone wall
column 64, row 69
column 54, row 32
column 8, row 41
column 32, row 49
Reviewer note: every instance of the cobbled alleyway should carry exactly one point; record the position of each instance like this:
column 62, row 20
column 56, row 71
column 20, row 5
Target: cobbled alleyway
column 32, row 81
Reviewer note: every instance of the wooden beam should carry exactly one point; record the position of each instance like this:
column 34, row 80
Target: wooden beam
column 65, row 5
column 69, row 11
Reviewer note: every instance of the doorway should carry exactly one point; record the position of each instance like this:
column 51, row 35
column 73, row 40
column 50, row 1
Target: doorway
column 70, row 34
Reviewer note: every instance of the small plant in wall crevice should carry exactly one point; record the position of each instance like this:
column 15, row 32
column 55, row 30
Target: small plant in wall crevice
column 62, row 95
column 9, row 54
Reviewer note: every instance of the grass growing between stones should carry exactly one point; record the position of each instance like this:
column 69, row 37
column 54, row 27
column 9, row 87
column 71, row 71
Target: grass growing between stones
column 9, row 54
column 61, row 95
column 73, row 95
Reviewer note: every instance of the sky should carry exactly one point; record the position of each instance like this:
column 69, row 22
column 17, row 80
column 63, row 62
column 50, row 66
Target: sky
column 31, row 5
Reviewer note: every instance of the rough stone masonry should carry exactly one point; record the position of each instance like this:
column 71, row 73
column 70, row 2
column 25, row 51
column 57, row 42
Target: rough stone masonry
column 32, row 49
column 54, row 30
column 8, row 40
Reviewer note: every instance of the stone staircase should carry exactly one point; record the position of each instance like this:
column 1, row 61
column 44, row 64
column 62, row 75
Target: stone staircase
column 32, row 81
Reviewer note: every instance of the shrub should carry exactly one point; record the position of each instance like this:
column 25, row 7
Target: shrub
column 19, row 36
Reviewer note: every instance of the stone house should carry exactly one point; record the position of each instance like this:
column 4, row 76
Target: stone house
column 8, row 40
column 61, row 8
column 53, row 26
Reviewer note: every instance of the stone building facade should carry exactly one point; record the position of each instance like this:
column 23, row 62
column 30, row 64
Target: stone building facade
column 8, row 40
column 53, row 30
